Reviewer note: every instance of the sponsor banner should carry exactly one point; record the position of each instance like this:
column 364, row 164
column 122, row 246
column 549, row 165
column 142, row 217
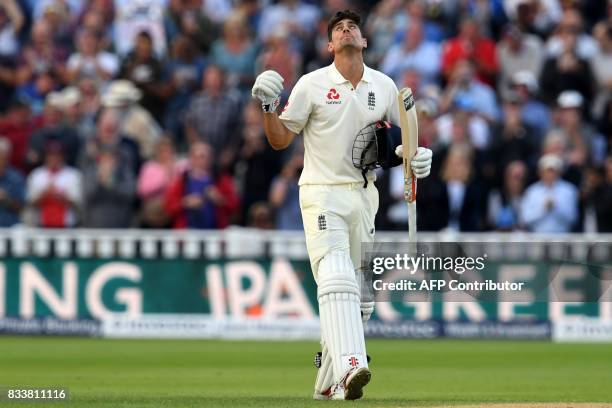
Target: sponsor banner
column 79, row 288
column 206, row 327
column 497, row 330
column 407, row 329
column 582, row 330
column 97, row 289
column 50, row 327
column 459, row 330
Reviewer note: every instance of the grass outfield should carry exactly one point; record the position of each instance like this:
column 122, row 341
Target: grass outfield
column 191, row 373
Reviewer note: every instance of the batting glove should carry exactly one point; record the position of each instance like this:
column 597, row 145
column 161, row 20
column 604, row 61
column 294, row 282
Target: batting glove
column 367, row 308
column 420, row 163
column 267, row 88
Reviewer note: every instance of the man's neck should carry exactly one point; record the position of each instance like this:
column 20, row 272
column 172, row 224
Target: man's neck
column 350, row 65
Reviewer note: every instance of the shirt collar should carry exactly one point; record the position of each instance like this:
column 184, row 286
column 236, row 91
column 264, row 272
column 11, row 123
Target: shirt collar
column 337, row 77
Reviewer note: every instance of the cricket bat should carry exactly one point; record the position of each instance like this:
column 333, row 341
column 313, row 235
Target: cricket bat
column 410, row 142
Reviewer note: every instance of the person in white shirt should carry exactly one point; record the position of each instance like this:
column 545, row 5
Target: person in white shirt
column 54, row 191
column 551, row 204
column 90, row 61
column 329, row 107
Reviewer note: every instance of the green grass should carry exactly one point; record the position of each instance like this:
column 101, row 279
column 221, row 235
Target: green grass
column 190, row 373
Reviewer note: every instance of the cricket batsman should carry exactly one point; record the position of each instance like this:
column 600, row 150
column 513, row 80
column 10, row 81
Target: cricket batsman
column 338, row 201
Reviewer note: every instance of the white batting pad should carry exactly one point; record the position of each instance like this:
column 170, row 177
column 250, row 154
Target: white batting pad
column 325, row 373
column 339, row 309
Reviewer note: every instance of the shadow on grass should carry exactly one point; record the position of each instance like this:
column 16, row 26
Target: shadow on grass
column 244, row 401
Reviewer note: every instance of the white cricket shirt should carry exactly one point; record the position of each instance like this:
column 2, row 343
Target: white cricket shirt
column 330, row 112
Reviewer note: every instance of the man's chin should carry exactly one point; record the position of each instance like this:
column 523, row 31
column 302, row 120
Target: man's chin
column 350, row 46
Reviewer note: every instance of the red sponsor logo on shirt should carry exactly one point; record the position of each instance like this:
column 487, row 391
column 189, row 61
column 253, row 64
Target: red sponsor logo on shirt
column 332, row 97
column 333, row 94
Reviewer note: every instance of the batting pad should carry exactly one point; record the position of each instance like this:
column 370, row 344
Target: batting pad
column 340, row 314
column 325, row 373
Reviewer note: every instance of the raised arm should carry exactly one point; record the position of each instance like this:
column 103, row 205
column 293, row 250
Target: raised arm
column 278, row 135
column 267, row 88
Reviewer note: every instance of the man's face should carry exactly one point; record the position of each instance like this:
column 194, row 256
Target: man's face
column 212, row 80
column 200, row 157
column 549, row 175
column 144, row 47
column 346, row 34
column 54, row 160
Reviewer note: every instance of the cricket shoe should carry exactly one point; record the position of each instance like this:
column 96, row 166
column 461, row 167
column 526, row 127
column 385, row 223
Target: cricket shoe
column 334, row 392
column 326, row 395
column 356, row 379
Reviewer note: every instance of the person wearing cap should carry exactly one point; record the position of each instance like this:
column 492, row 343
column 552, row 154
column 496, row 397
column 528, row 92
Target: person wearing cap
column 54, row 127
column 135, row 122
column 516, row 52
column 533, row 112
column 551, row 204
column 74, row 113
column 54, row 190
column 584, row 143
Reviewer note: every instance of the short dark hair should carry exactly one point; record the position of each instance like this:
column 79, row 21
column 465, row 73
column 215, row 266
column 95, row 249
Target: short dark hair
column 145, row 34
column 339, row 16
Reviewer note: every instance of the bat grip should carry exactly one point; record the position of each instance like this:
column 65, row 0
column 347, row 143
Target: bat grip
column 410, row 189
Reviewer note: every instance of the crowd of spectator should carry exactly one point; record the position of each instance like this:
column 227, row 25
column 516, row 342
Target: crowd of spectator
column 138, row 113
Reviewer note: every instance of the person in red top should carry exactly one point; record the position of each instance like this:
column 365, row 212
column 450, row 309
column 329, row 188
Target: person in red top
column 54, row 190
column 471, row 44
column 17, row 126
column 199, row 198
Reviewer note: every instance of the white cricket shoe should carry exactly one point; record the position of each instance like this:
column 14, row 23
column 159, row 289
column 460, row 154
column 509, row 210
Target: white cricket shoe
column 326, row 395
column 335, row 392
column 356, row 379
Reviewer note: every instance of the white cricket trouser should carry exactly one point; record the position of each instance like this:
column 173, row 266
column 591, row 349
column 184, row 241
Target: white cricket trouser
column 338, row 217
